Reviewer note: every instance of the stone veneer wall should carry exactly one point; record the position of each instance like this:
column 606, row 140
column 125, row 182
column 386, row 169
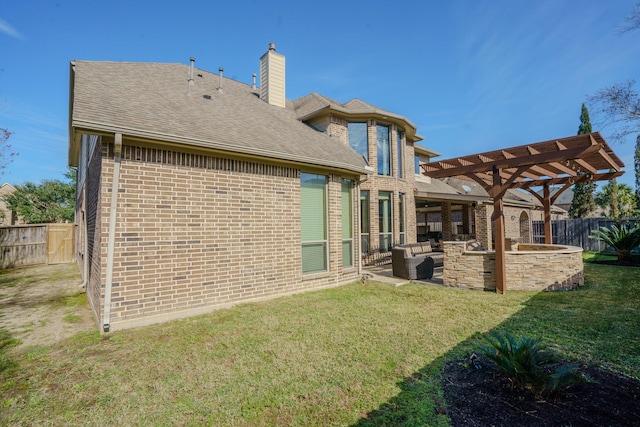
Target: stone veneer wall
column 531, row 268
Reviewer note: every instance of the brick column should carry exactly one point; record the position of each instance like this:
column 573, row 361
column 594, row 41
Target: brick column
column 446, row 221
column 483, row 226
column 466, row 229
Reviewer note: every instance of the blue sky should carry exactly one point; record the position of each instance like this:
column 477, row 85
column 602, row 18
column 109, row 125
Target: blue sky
column 473, row 75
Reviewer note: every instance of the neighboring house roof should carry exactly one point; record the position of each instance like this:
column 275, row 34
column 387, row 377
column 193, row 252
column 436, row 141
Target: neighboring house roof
column 7, row 216
column 468, row 187
column 6, row 189
column 565, row 198
column 438, row 189
column 314, row 104
column 473, row 190
column 153, row 101
column 436, row 186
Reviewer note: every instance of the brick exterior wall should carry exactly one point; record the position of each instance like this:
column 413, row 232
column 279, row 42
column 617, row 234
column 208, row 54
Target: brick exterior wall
column 530, row 268
column 446, row 221
column 196, row 232
column 484, row 225
column 517, row 223
column 338, row 128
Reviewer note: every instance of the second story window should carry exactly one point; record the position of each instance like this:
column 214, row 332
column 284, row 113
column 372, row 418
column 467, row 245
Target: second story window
column 416, row 164
column 358, row 138
column 384, row 150
column 400, row 144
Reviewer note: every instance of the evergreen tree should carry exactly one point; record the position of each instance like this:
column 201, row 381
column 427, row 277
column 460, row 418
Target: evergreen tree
column 583, row 203
column 585, row 122
column 48, row 202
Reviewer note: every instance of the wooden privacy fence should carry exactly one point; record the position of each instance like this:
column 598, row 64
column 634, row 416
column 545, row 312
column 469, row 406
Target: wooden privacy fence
column 575, row 232
column 36, row 244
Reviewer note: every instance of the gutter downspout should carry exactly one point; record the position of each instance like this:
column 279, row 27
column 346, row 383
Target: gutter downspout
column 359, row 216
column 85, row 240
column 112, row 231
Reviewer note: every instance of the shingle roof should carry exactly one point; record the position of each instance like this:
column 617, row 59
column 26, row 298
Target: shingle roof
column 565, row 198
column 314, row 103
column 151, row 100
column 470, row 188
column 436, row 186
column 310, row 103
column 357, row 104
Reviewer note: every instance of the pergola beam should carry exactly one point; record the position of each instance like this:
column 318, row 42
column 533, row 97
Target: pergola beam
column 443, row 169
column 567, row 179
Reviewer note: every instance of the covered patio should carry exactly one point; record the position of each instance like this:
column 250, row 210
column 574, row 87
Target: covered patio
column 562, row 162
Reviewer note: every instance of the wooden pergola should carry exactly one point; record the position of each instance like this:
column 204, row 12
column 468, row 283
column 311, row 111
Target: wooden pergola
column 562, row 162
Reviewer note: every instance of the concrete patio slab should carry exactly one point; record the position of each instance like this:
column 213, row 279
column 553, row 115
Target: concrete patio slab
column 384, row 274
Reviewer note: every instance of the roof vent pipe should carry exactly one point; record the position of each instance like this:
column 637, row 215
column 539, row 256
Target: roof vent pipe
column 193, row 61
column 272, row 46
column 254, row 81
column 220, row 79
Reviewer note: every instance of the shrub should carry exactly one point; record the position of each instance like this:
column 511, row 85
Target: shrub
column 622, row 238
column 530, row 364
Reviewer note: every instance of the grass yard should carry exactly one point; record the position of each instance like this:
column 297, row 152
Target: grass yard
column 363, row 355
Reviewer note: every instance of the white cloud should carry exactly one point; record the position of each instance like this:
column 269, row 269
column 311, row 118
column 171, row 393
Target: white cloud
column 6, row 28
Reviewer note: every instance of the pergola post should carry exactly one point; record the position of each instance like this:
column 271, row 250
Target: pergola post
column 466, row 220
column 498, row 228
column 546, row 205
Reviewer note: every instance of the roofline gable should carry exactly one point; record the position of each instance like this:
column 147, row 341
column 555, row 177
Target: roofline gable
column 331, row 106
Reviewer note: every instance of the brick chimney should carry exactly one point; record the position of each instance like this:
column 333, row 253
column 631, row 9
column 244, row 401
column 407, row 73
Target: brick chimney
column 272, row 77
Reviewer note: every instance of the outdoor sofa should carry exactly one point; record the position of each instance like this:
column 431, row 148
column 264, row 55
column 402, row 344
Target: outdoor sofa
column 415, row 260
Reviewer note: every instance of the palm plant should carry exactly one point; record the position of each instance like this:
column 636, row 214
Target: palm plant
column 621, row 237
column 529, row 363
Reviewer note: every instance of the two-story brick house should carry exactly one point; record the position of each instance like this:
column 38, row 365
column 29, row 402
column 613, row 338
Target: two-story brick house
column 196, row 191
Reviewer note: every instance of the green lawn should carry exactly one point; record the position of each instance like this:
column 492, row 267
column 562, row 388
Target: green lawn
column 356, row 355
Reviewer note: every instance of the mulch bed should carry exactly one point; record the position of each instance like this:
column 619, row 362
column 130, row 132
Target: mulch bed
column 484, row 397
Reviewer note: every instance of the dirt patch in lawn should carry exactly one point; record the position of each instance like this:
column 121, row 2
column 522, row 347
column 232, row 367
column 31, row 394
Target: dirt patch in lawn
column 42, row 304
column 481, row 397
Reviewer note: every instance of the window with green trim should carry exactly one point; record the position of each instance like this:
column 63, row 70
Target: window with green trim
column 347, row 224
column 313, row 221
